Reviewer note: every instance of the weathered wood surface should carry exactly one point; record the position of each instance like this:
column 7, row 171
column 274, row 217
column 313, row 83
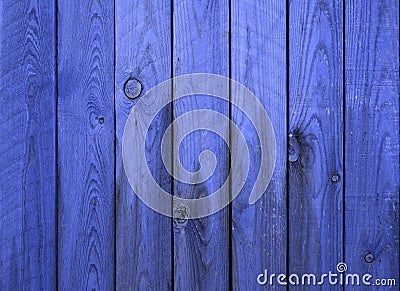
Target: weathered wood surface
column 315, row 136
column 85, row 145
column 27, row 145
column 327, row 73
column 200, row 45
column 258, row 52
column 372, row 177
column 143, row 237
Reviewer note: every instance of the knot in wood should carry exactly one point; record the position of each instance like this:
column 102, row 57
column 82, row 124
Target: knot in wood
column 294, row 149
column 132, row 88
column 181, row 214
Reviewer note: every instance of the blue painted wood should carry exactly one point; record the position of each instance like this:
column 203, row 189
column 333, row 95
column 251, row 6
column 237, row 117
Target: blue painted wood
column 27, row 147
column 86, row 145
column 333, row 152
column 315, row 137
column 200, row 45
column 372, row 139
column 258, row 54
column 143, row 237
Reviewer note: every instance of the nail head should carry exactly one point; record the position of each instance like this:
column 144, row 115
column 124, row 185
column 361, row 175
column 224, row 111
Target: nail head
column 335, row 178
column 369, row 258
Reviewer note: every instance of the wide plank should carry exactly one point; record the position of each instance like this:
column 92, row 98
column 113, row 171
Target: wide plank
column 28, row 145
column 200, row 45
column 143, row 236
column 372, row 139
column 258, row 59
column 315, row 136
column 86, row 145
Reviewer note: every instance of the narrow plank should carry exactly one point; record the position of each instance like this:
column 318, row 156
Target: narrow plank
column 259, row 62
column 316, row 138
column 27, row 148
column 143, row 237
column 86, row 145
column 200, row 45
column 372, row 139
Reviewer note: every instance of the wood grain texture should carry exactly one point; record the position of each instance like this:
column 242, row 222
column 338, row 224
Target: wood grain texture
column 27, row 148
column 316, row 136
column 259, row 62
column 372, row 138
column 86, row 145
column 200, row 45
column 327, row 73
column 143, row 237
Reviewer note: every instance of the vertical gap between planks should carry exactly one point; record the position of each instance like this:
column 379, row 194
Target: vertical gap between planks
column 287, row 138
column 172, row 148
column 115, row 145
column 56, row 135
column 230, row 207
column 344, row 132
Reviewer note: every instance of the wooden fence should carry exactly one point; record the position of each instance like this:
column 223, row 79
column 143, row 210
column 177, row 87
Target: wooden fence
column 327, row 73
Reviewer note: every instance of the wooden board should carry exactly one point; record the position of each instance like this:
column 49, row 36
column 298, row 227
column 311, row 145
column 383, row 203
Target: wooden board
column 315, row 136
column 327, row 73
column 143, row 237
column 200, row 45
column 258, row 60
column 27, row 147
column 372, row 139
column 86, row 145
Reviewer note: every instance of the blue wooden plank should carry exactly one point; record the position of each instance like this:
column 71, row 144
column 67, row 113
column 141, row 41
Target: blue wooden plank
column 259, row 62
column 86, row 145
column 143, row 237
column 200, row 45
column 316, row 136
column 372, row 139
column 27, row 148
